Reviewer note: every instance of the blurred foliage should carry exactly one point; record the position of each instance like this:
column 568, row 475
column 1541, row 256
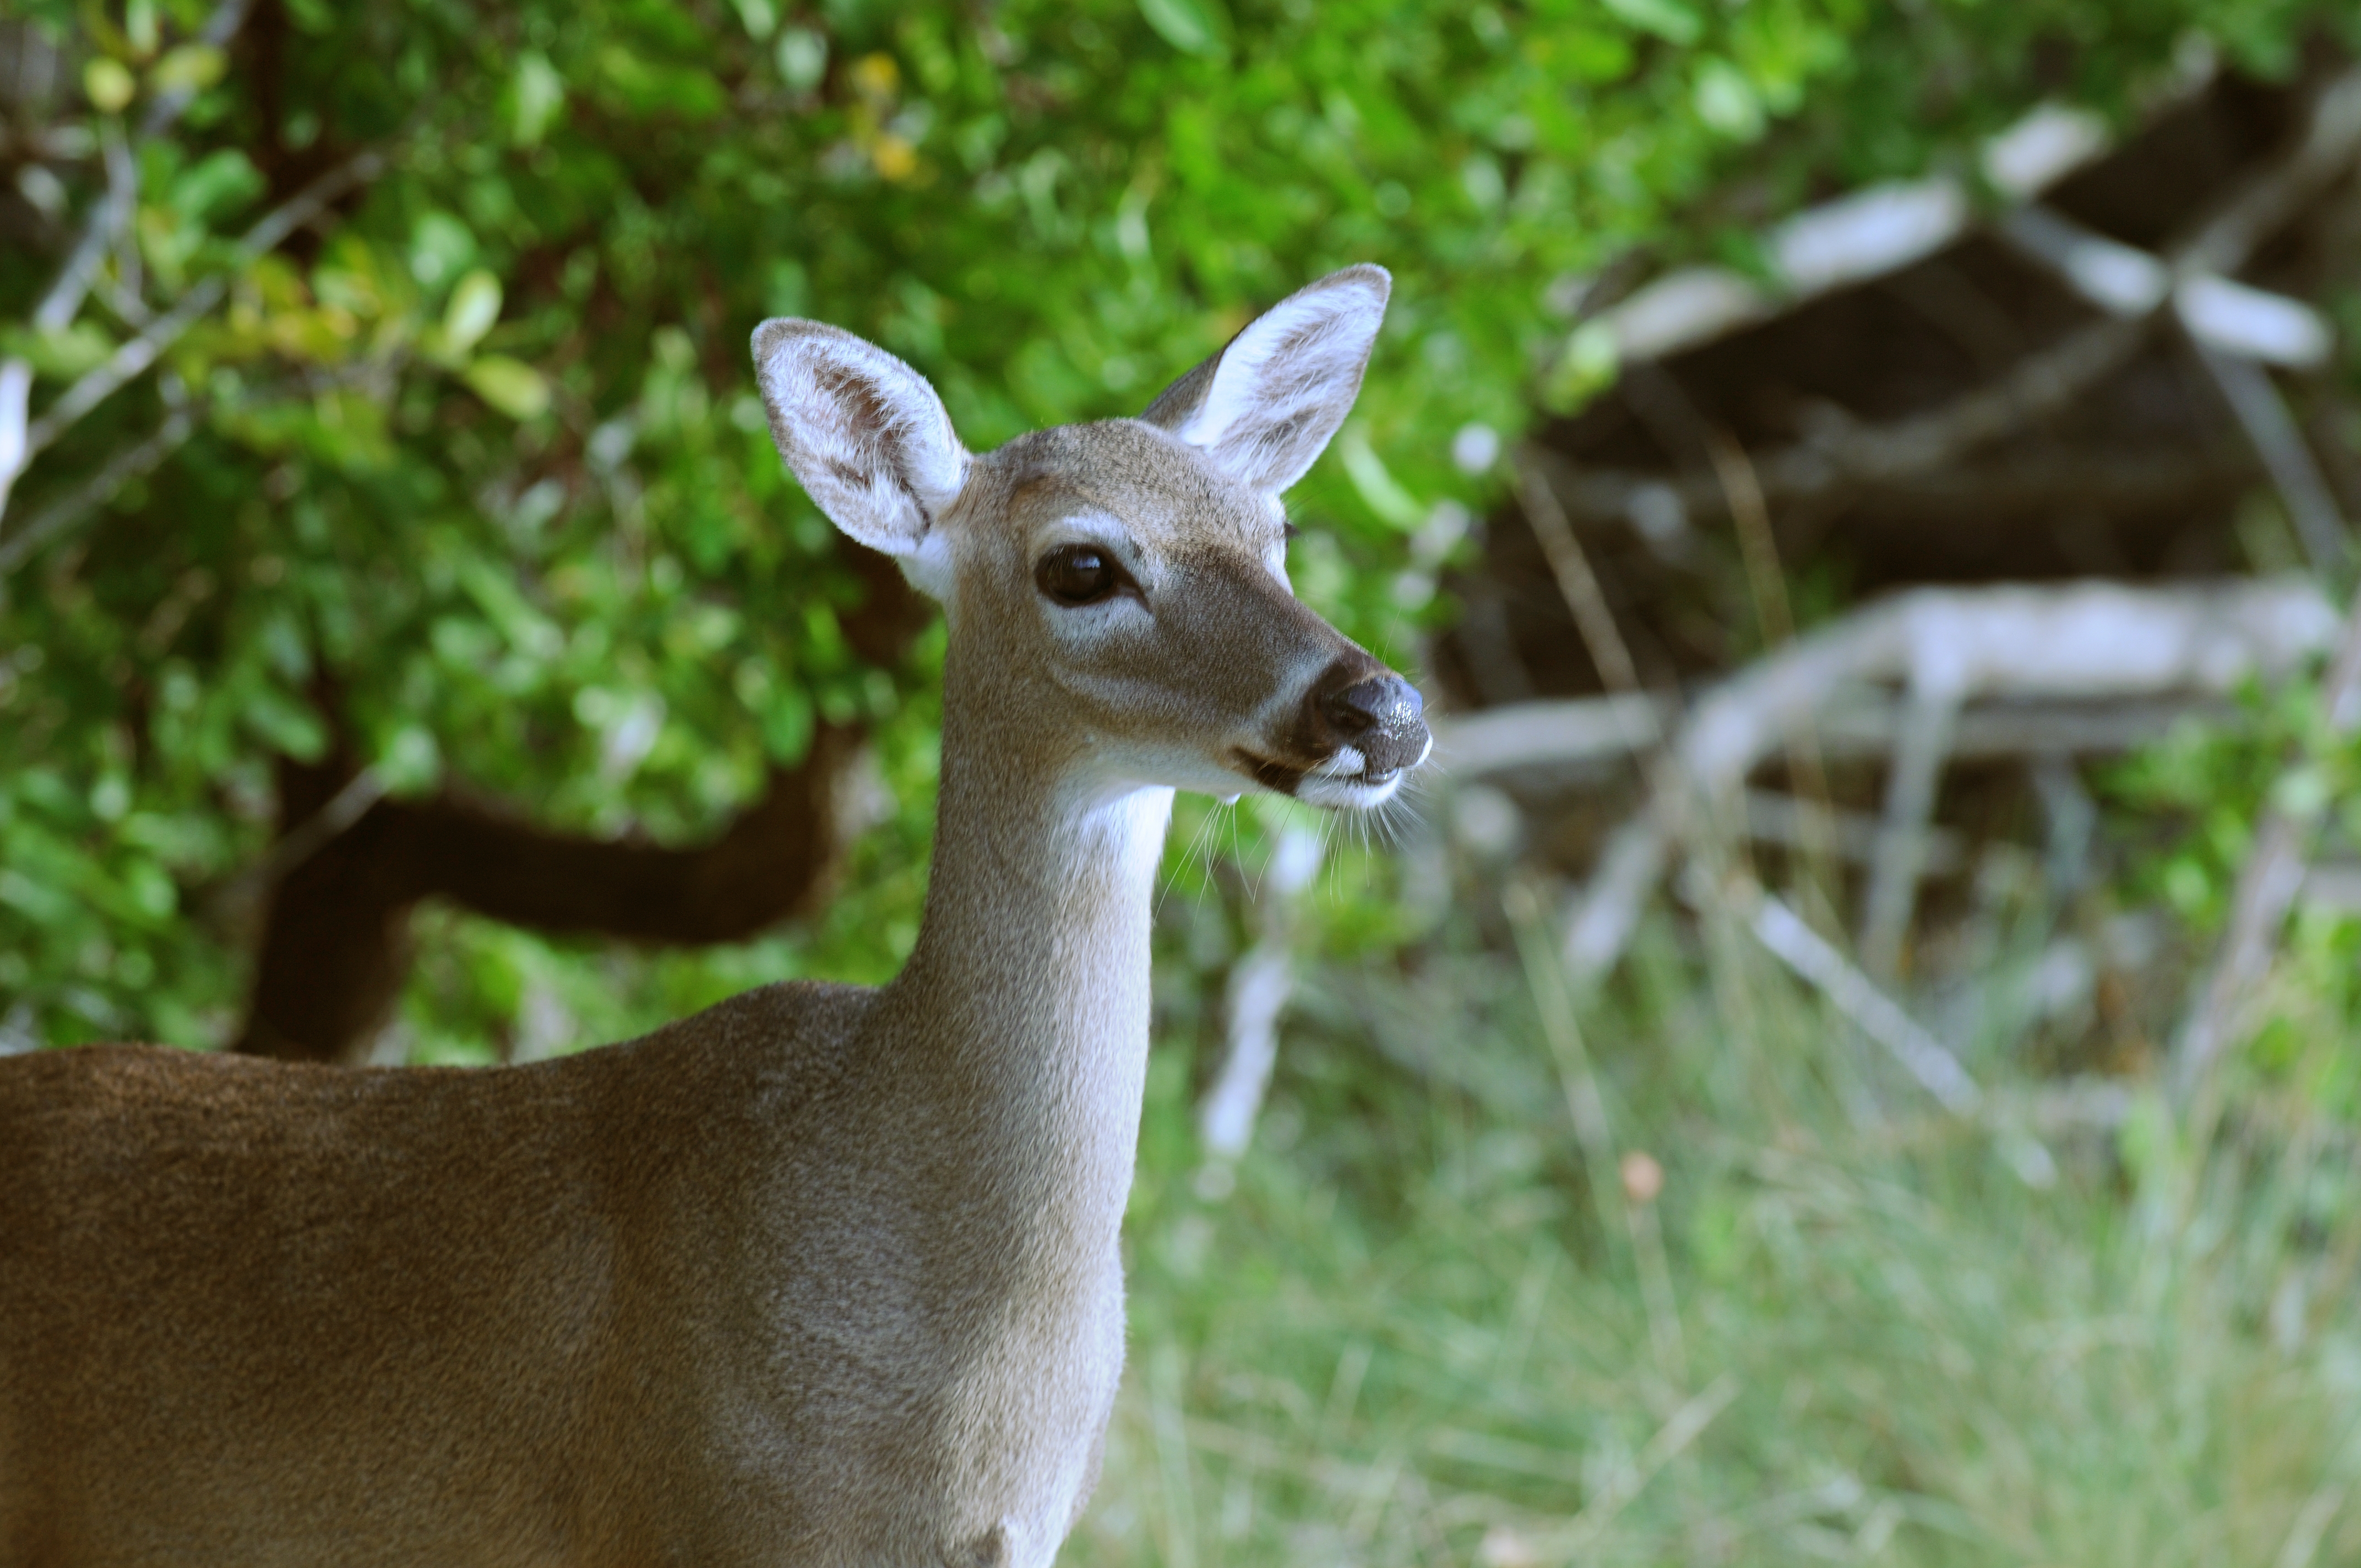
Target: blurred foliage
column 480, row 489
column 2193, row 804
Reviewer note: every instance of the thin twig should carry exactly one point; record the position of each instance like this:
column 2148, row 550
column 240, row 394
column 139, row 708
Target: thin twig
column 1552, row 731
column 2312, row 506
column 123, row 186
column 1260, row 986
column 1580, row 734
column 1603, row 917
column 128, row 360
column 1922, row 745
column 1576, row 580
column 1786, row 936
column 1574, row 1541
column 1858, row 455
column 109, row 220
column 67, row 512
column 1758, row 547
column 1741, row 493
column 2259, row 209
column 143, row 350
column 300, row 843
column 1600, row 923
column 1854, row 835
column 16, row 395
column 1586, row 1103
column 2084, row 642
column 167, row 107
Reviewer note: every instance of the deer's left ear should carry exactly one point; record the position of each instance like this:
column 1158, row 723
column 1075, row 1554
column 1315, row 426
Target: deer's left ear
column 1265, row 407
column 862, row 431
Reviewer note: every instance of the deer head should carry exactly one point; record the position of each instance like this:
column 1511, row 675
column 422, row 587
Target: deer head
column 1118, row 593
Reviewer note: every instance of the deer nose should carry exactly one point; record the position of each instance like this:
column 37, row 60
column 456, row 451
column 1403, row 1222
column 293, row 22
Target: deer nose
column 1381, row 715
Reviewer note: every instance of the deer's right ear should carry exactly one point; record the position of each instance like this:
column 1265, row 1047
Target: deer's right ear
column 863, row 432
column 1264, row 407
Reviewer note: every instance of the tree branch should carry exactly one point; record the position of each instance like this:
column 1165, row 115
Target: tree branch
column 336, row 948
column 2042, row 384
column 2112, row 651
column 763, row 867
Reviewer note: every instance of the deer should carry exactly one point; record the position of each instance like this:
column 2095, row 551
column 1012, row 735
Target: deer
column 821, row 1274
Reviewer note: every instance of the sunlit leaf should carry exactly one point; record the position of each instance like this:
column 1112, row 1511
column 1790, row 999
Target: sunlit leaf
column 1192, row 27
column 188, row 69
column 65, row 353
column 474, row 306
column 1670, row 20
column 802, row 55
column 441, row 248
column 284, row 724
column 760, row 17
column 1728, row 102
column 412, row 762
column 109, row 85
column 512, row 386
column 537, row 97
column 140, row 27
column 215, row 184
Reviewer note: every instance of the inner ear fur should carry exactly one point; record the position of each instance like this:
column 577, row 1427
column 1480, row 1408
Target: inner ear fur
column 1266, row 406
column 866, row 436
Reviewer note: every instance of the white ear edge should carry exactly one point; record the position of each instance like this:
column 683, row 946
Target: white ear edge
column 866, row 436
column 928, row 568
column 1285, row 384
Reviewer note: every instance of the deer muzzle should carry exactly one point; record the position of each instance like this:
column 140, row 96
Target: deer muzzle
column 1368, row 725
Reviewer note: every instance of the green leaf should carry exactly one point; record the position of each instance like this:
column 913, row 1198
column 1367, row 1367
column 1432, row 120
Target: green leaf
column 150, row 889
column 412, row 762
column 109, row 84
column 512, row 386
column 1667, row 19
column 802, row 55
column 285, row 725
column 140, row 28
column 1376, row 485
column 536, row 99
column 64, row 354
column 1584, row 366
column 650, row 87
column 1728, row 102
column 441, row 248
column 191, row 68
column 1192, row 27
column 216, row 183
column 474, row 306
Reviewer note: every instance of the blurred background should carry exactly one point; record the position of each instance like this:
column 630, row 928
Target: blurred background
column 1851, row 1053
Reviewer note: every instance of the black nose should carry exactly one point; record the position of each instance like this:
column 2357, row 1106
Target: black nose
column 1382, row 717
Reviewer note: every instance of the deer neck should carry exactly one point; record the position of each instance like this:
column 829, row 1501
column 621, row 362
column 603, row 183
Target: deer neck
column 1024, row 1007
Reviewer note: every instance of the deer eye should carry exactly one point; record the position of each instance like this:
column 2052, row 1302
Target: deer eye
column 1078, row 574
